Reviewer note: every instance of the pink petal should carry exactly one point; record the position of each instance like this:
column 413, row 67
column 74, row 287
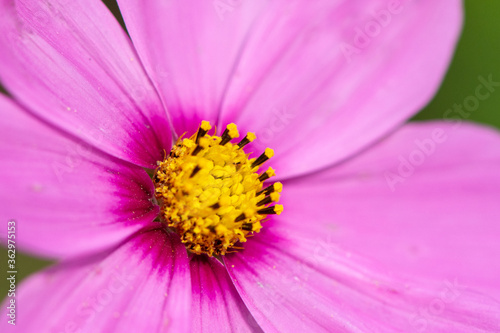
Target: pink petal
column 143, row 286
column 294, row 282
column 277, row 68
column 72, row 64
column 217, row 307
column 434, row 215
column 189, row 53
column 65, row 196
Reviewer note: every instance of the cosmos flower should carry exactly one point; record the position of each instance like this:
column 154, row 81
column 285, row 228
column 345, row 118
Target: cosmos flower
column 384, row 228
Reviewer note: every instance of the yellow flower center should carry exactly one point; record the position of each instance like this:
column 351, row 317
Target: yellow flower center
column 211, row 193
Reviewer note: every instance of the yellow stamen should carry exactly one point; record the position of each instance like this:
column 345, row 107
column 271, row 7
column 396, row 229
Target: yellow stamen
column 211, row 193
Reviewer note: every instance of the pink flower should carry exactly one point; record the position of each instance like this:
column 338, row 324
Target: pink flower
column 380, row 232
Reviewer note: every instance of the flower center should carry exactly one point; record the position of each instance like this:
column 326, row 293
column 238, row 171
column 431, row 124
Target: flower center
column 211, row 193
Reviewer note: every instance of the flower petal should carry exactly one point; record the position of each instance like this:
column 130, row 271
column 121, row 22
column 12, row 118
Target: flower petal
column 64, row 195
column 424, row 202
column 142, row 286
column 292, row 282
column 280, row 69
column 189, row 53
column 217, row 307
column 349, row 254
column 72, row 64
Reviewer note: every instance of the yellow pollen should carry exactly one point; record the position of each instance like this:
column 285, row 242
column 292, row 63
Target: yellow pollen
column 212, row 194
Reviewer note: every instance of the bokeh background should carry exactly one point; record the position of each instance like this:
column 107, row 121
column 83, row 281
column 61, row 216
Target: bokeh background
column 478, row 54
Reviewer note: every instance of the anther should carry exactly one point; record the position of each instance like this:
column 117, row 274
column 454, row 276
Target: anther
column 197, row 150
column 247, row 226
column 230, row 133
column 271, row 188
column 276, row 209
column 203, row 142
column 267, row 154
column 274, row 197
column 247, row 139
column 195, row 171
column 241, row 217
column 204, row 128
column 268, row 174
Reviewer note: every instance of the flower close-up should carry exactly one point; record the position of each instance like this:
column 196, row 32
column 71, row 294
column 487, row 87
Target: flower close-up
column 243, row 166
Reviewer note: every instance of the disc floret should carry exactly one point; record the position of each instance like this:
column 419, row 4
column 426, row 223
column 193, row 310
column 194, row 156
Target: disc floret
column 211, row 192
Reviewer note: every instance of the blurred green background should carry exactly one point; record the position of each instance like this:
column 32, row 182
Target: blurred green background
column 478, row 54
